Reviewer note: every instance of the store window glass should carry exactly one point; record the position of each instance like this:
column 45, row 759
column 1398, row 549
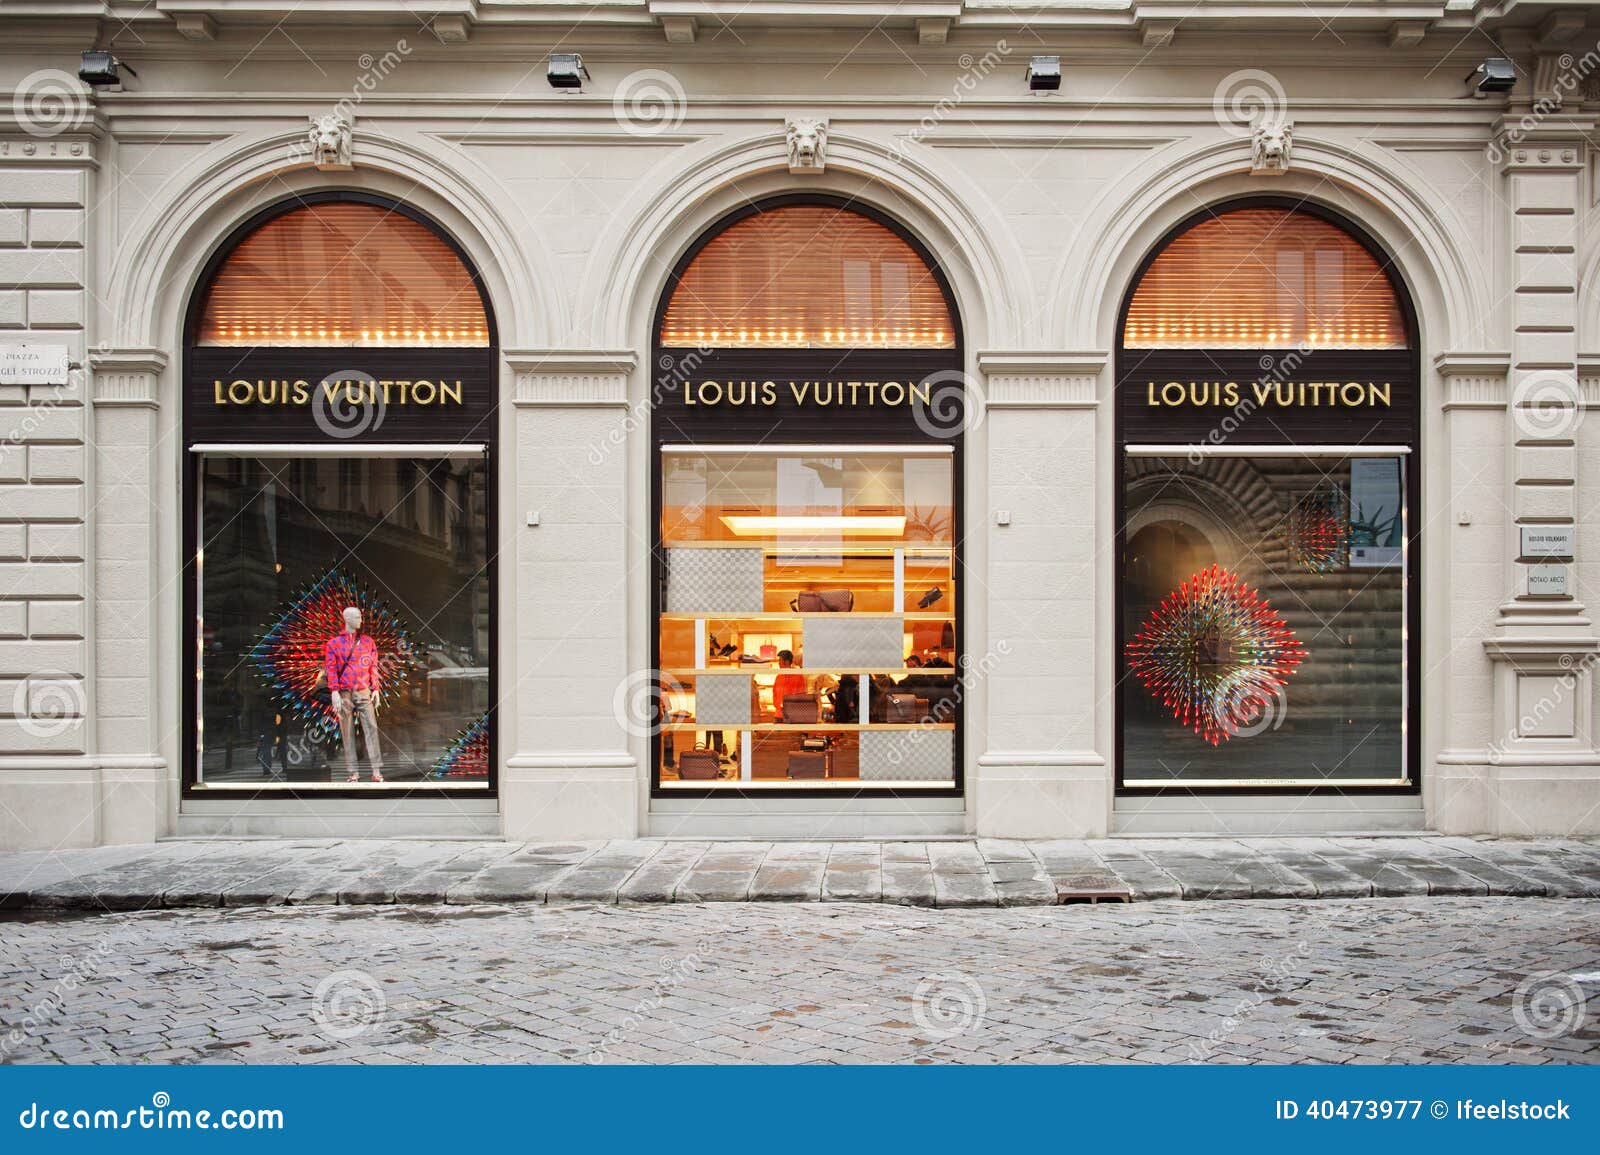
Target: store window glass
column 808, row 629
column 288, row 546
column 1264, row 620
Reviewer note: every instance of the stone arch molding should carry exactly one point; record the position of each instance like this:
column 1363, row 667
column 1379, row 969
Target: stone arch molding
column 1446, row 285
column 153, row 278
column 625, row 279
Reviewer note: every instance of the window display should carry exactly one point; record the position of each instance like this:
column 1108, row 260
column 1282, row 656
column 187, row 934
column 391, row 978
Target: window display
column 340, row 420
column 344, row 621
column 808, row 629
column 1266, row 415
column 1245, row 664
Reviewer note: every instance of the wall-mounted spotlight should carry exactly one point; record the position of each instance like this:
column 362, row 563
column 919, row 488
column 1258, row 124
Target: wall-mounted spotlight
column 1495, row 74
column 566, row 70
column 98, row 69
column 1044, row 73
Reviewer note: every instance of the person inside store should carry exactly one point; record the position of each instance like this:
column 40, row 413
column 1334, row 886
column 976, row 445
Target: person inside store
column 786, row 684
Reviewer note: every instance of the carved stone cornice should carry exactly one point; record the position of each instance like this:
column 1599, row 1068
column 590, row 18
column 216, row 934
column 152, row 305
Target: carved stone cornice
column 1042, row 380
column 1474, row 380
column 125, row 378
column 576, row 377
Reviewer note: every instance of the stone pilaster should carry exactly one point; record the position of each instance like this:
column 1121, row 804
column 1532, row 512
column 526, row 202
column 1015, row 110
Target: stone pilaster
column 570, row 771
column 49, row 794
column 135, row 779
column 1543, row 776
column 1042, row 774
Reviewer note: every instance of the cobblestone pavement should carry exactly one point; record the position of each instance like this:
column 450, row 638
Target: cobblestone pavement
column 952, row 873
column 1401, row 980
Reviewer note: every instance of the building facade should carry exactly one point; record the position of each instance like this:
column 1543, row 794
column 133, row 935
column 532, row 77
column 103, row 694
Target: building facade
column 798, row 420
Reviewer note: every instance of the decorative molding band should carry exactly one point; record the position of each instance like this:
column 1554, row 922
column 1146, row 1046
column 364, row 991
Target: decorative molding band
column 126, row 377
column 570, row 377
column 1474, row 380
column 1042, row 380
column 1040, row 758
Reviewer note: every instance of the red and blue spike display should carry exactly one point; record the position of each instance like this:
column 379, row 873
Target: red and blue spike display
column 468, row 755
column 1212, row 643
column 1318, row 529
column 290, row 653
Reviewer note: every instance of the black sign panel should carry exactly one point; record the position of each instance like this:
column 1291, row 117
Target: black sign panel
column 355, row 396
column 1267, row 397
column 804, row 394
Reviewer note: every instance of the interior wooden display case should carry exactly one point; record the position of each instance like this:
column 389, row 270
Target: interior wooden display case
column 894, row 556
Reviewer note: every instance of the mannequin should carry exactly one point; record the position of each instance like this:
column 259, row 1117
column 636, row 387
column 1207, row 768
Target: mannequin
column 352, row 667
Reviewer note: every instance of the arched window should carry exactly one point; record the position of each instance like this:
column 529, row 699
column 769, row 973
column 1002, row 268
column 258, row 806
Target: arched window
column 808, row 276
column 340, row 414
column 1265, row 278
column 1267, row 413
column 807, row 414
column 343, row 274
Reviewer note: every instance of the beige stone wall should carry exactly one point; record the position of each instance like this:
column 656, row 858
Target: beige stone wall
column 576, row 205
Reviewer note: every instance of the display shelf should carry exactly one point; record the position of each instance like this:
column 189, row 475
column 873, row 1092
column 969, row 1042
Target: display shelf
column 802, row 727
column 757, row 784
column 796, row 616
column 774, row 668
column 817, row 545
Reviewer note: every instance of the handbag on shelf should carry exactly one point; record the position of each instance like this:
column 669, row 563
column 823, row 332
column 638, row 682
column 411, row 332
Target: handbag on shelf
column 800, row 709
column 903, row 708
column 808, row 764
column 699, row 763
column 824, row 602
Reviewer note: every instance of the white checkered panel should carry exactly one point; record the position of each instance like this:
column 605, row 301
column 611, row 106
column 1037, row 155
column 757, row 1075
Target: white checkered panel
column 908, row 756
column 844, row 642
column 722, row 699
column 710, row 581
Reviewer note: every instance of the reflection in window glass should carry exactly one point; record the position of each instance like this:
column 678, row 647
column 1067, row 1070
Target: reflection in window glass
column 287, row 545
column 1263, row 622
column 807, row 632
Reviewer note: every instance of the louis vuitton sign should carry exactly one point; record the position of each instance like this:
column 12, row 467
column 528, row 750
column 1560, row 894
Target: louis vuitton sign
column 1271, row 394
column 807, row 394
column 310, row 395
column 1217, row 396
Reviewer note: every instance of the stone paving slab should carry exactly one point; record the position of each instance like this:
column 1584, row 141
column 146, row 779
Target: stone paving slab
column 944, row 873
column 1412, row 980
